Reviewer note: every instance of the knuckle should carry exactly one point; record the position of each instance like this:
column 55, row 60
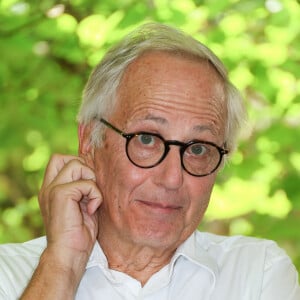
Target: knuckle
column 54, row 192
column 55, row 157
column 73, row 163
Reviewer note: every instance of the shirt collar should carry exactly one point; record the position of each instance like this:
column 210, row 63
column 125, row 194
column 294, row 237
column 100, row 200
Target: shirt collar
column 97, row 257
column 194, row 249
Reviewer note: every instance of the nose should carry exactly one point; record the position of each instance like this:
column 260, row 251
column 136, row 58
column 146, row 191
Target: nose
column 170, row 172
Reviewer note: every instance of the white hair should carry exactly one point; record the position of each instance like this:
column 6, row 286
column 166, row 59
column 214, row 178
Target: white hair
column 99, row 95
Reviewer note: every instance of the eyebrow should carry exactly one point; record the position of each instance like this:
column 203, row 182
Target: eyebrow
column 201, row 128
column 197, row 128
column 156, row 119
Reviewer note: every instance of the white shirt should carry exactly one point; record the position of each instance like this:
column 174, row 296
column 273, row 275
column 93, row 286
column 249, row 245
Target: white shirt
column 205, row 266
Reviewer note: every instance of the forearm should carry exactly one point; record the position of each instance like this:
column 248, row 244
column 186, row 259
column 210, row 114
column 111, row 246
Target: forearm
column 54, row 278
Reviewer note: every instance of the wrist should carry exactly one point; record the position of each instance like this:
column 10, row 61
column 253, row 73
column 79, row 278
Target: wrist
column 66, row 263
column 54, row 278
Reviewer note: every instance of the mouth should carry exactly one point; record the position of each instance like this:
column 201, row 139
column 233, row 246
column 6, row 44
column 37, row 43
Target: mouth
column 159, row 207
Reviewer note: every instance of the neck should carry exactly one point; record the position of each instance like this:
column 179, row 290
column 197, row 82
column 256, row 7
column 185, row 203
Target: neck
column 137, row 261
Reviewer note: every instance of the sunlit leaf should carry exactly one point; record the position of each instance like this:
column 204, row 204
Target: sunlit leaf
column 37, row 159
column 48, row 49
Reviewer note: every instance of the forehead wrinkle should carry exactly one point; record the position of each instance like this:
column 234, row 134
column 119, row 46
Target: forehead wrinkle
column 148, row 117
column 160, row 120
column 211, row 112
column 212, row 104
column 153, row 97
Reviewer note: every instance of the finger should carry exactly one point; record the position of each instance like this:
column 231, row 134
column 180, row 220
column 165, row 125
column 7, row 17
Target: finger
column 64, row 198
column 90, row 205
column 74, row 170
column 94, row 204
column 56, row 163
column 70, row 170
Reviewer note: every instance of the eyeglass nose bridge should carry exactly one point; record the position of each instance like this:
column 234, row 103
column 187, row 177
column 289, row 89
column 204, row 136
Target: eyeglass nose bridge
column 182, row 146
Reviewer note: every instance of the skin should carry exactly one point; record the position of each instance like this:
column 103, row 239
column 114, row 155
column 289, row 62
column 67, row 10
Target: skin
column 148, row 213
column 139, row 216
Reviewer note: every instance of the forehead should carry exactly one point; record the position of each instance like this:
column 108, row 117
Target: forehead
column 170, row 84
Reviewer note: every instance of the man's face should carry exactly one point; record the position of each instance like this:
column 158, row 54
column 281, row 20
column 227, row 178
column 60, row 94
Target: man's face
column 180, row 99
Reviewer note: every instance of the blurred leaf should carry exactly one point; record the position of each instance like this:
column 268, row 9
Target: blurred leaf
column 48, row 48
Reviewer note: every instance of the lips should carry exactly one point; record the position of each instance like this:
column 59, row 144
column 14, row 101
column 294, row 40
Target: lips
column 164, row 207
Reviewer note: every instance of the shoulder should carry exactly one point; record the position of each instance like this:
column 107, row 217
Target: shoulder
column 211, row 241
column 257, row 265
column 247, row 251
column 30, row 248
column 18, row 261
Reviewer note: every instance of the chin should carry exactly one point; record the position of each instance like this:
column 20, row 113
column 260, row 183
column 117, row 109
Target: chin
column 158, row 237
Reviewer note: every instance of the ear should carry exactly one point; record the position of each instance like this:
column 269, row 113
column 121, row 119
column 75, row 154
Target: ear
column 86, row 149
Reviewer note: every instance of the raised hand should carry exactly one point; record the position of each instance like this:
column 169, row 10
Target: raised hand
column 69, row 199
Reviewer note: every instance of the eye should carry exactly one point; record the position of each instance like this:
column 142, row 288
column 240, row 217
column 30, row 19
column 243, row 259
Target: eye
column 146, row 139
column 198, row 149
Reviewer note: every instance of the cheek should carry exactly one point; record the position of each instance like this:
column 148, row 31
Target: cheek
column 200, row 194
column 117, row 177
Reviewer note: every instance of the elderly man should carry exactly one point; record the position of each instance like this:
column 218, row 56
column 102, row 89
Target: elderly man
column 158, row 118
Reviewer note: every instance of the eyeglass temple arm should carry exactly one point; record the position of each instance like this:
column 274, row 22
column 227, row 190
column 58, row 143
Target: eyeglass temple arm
column 112, row 126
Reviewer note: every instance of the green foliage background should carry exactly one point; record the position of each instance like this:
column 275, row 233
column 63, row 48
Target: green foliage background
column 48, row 49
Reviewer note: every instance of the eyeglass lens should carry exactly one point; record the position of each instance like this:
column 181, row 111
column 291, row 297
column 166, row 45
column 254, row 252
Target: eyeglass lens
column 146, row 150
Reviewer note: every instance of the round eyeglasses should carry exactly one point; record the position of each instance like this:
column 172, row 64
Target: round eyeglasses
column 147, row 150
